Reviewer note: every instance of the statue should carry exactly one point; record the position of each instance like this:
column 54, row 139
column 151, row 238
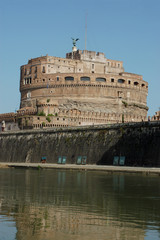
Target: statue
column 74, row 41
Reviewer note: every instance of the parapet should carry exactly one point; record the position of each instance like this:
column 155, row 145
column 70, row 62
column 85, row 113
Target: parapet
column 87, row 56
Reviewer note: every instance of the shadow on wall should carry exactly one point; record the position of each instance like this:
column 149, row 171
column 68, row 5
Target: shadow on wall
column 139, row 149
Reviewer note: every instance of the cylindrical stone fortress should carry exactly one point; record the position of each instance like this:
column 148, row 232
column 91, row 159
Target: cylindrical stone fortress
column 84, row 87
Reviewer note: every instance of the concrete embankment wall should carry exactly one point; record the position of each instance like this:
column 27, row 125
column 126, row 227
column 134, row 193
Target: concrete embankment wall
column 138, row 142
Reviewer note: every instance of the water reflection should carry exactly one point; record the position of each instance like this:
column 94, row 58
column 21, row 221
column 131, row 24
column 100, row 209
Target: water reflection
column 56, row 204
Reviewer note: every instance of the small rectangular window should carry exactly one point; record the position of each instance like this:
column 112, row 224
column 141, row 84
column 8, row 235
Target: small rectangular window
column 43, row 69
column 57, row 78
column 112, row 79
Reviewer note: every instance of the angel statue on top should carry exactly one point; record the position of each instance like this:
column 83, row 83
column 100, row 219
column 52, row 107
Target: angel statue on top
column 74, row 41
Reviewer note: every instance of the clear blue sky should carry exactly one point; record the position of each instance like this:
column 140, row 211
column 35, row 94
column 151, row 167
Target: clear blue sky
column 127, row 30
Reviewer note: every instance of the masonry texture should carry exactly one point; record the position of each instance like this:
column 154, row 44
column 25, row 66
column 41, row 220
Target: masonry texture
column 138, row 142
column 85, row 88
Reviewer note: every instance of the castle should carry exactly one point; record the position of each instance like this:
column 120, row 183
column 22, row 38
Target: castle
column 85, row 88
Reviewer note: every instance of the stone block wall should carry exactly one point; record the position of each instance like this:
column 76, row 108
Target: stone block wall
column 138, row 142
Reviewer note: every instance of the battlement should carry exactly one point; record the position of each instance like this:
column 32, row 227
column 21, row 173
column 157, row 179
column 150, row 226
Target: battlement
column 86, row 55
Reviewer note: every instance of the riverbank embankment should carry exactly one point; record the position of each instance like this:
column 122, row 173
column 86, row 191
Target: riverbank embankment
column 107, row 169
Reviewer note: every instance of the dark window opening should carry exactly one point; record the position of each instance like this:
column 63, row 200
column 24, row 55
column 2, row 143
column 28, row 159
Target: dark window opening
column 69, row 78
column 129, row 82
column 121, row 80
column 143, row 85
column 43, row 69
column 136, row 83
column 85, row 78
column 112, row 79
column 57, row 78
column 100, row 79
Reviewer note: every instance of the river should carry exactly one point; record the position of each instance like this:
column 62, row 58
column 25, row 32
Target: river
column 74, row 205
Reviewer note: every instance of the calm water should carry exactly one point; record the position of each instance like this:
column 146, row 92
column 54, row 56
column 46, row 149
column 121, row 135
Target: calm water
column 56, row 204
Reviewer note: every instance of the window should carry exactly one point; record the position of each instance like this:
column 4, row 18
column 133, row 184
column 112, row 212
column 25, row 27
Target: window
column 43, row 80
column 100, row 79
column 136, row 83
column 43, row 69
column 35, row 69
column 69, row 78
column 28, row 94
column 92, row 66
column 57, row 78
column 85, row 78
column 129, row 82
column 118, row 64
column 112, row 79
column 121, row 80
column 143, row 85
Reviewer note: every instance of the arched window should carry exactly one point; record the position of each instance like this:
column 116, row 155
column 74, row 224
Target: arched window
column 136, row 83
column 100, row 79
column 121, row 81
column 69, row 78
column 85, row 78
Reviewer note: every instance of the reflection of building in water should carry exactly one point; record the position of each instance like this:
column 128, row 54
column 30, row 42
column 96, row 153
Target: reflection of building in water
column 71, row 223
column 79, row 205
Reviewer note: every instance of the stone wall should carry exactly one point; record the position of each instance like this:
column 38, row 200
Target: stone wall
column 87, row 82
column 138, row 142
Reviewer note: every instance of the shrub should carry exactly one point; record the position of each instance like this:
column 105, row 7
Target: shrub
column 48, row 119
column 41, row 113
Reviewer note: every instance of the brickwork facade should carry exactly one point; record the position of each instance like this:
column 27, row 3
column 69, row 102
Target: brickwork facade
column 85, row 88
